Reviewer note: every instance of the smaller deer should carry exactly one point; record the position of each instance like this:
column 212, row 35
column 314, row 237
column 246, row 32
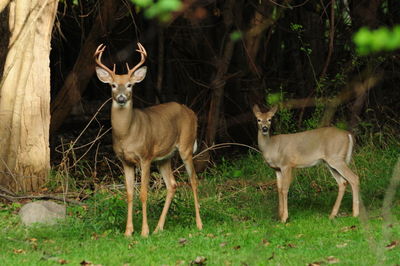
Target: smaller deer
column 149, row 135
column 305, row 149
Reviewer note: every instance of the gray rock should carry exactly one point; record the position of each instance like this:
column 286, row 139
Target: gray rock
column 46, row 212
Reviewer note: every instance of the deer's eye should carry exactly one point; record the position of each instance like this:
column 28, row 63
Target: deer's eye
column 269, row 119
column 114, row 86
column 129, row 85
column 258, row 120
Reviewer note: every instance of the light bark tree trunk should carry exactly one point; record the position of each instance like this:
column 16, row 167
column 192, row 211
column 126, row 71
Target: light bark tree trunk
column 25, row 96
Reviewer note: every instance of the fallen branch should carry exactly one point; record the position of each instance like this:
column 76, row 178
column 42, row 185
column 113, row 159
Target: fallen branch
column 17, row 198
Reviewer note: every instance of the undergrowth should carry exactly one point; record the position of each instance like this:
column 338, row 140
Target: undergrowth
column 239, row 212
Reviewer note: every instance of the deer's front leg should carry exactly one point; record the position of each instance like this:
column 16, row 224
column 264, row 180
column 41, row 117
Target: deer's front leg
column 129, row 183
column 145, row 167
column 279, row 188
column 285, row 182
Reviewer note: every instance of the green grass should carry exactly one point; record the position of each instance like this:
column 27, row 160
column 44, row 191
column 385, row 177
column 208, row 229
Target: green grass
column 238, row 207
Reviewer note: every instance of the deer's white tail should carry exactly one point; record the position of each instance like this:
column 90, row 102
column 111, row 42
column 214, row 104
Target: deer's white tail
column 195, row 146
column 350, row 148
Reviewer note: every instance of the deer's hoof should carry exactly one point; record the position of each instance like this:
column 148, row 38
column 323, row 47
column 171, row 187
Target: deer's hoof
column 158, row 229
column 128, row 233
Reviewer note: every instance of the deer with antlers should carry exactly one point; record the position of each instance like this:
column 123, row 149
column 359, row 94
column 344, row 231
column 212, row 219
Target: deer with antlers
column 153, row 134
column 305, row 149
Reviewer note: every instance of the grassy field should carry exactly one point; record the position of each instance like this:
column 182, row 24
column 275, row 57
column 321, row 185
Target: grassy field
column 238, row 207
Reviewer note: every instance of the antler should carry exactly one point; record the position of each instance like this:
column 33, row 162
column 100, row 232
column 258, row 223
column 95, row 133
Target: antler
column 99, row 52
column 143, row 54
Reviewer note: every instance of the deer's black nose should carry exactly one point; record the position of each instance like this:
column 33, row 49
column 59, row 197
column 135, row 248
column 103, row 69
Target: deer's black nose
column 121, row 99
column 264, row 129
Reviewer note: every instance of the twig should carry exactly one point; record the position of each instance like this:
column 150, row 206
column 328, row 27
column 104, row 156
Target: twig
column 331, row 38
column 216, row 147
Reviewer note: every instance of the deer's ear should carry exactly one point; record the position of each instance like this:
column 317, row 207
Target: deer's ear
column 256, row 110
column 273, row 110
column 103, row 75
column 138, row 75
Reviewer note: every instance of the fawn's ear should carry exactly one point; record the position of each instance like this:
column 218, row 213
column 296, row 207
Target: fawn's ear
column 138, row 75
column 103, row 75
column 256, row 110
column 273, row 110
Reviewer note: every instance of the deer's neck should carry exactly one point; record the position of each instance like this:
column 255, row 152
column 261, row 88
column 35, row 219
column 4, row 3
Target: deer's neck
column 121, row 119
column 264, row 141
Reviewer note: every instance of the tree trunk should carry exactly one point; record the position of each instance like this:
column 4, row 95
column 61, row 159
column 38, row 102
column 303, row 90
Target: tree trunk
column 83, row 70
column 25, row 96
column 218, row 82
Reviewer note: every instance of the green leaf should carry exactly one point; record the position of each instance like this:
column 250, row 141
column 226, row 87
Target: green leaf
column 142, row 3
column 169, row 5
column 237, row 173
column 236, row 35
column 152, row 11
column 274, row 98
column 381, row 39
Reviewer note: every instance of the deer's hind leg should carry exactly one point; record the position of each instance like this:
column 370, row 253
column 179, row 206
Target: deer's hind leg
column 145, row 170
column 170, row 183
column 353, row 179
column 187, row 158
column 342, row 187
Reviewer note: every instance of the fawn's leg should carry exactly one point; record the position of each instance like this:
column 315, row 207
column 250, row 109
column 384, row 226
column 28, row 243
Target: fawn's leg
column 166, row 172
column 279, row 187
column 342, row 187
column 354, row 181
column 286, row 180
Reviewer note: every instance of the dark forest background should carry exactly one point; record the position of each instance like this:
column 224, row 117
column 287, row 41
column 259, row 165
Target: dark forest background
column 222, row 57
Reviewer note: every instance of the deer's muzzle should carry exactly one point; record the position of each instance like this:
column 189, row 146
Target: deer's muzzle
column 121, row 99
column 264, row 130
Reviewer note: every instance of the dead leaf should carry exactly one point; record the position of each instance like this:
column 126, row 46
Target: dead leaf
column 132, row 244
column 332, row 260
column 299, row 235
column 236, row 247
column 315, row 186
column 315, row 263
column 223, row 244
column 180, row 262
column 291, row 245
column 200, row 260
column 341, row 245
column 348, row 228
column 182, row 241
column 210, row 235
column 19, row 251
column 86, row 263
column 62, row 261
column 392, row 244
column 265, row 242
